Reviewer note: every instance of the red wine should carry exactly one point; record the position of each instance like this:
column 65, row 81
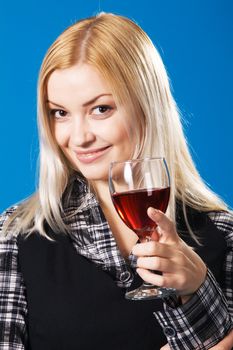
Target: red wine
column 132, row 208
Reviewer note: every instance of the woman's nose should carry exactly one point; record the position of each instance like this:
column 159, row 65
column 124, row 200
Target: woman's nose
column 81, row 133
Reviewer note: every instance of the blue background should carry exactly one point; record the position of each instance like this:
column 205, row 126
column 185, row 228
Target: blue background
column 195, row 40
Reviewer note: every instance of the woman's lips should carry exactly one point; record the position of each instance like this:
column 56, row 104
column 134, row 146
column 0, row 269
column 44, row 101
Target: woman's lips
column 91, row 155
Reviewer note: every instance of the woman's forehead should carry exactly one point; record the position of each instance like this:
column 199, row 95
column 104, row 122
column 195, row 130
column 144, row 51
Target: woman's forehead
column 82, row 82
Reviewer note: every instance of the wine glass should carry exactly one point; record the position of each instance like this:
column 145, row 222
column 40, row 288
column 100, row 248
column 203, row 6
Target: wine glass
column 135, row 185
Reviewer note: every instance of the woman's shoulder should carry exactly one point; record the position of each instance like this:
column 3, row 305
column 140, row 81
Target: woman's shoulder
column 223, row 221
column 8, row 246
column 7, row 214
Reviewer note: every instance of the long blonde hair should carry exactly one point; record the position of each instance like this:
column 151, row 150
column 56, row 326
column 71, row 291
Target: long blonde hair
column 126, row 57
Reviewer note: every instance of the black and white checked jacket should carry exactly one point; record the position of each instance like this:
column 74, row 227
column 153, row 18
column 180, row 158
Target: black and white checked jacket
column 198, row 324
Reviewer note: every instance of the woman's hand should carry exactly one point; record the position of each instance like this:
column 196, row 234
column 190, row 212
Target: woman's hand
column 225, row 344
column 181, row 267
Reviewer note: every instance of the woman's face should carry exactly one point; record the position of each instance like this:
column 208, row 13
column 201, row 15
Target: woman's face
column 88, row 126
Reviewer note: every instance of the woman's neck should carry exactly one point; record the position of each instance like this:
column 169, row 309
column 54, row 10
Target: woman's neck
column 124, row 236
column 102, row 193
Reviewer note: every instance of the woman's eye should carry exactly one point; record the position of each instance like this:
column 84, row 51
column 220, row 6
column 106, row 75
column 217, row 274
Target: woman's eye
column 101, row 110
column 58, row 113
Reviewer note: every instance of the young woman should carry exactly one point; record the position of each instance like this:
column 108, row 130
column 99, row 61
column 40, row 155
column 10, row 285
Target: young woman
column 104, row 96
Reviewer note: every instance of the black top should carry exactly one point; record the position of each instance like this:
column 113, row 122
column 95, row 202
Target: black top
column 73, row 304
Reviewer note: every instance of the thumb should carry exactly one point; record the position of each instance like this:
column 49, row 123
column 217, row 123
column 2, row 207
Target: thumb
column 166, row 227
column 165, row 347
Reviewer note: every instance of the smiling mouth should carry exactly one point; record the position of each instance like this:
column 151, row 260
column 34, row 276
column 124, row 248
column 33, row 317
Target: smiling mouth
column 91, row 155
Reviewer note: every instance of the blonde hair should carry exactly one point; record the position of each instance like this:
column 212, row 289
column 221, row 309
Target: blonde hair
column 124, row 55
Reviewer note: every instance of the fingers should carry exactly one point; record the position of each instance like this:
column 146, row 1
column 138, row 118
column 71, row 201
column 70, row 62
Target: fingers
column 151, row 277
column 153, row 248
column 167, row 280
column 181, row 268
column 156, row 263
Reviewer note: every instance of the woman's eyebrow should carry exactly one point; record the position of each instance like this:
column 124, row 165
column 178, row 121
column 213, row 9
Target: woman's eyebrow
column 55, row 104
column 84, row 104
column 94, row 99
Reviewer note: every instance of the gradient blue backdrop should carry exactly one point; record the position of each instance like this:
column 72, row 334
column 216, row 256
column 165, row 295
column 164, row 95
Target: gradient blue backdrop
column 195, row 40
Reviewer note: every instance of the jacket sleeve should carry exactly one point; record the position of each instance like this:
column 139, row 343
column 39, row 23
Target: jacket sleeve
column 207, row 317
column 13, row 305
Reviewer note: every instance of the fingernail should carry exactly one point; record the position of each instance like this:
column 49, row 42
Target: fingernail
column 154, row 211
